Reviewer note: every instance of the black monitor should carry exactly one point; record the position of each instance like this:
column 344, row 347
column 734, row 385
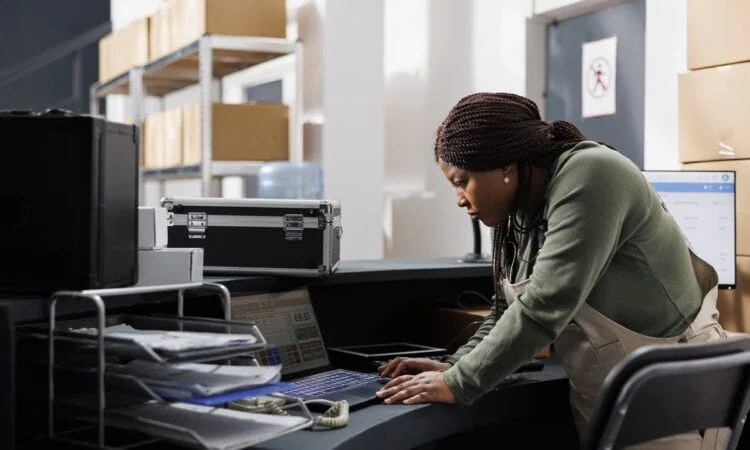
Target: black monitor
column 703, row 204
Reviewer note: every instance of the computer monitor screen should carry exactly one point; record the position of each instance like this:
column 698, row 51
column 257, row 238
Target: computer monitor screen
column 703, row 204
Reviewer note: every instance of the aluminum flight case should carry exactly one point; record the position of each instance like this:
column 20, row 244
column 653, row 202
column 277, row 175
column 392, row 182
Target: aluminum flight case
column 259, row 236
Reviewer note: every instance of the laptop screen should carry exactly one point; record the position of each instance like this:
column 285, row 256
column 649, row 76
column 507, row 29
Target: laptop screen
column 288, row 322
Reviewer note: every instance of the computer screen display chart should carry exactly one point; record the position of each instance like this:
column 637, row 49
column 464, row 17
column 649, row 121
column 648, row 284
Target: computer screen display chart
column 703, row 204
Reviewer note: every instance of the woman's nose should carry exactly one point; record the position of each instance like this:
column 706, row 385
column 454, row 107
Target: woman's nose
column 461, row 202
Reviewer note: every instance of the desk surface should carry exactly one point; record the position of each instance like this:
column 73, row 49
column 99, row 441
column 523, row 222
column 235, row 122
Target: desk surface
column 356, row 271
column 369, row 271
column 533, row 395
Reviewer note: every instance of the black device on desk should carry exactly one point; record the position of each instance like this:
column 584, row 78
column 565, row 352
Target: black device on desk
column 288, row 321
column 368, row 357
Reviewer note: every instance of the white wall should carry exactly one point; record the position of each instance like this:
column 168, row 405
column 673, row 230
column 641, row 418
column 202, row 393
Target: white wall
column 666, row 57
column 354, row 133
column 465, row 46
column 563, row 9
column 122, row 12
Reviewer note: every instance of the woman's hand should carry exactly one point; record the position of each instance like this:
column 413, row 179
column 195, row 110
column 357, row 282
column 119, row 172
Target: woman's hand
column 401, row 365
column 427, row 387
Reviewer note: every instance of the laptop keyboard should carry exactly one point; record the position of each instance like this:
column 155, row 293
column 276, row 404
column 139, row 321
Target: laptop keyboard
column 321, row 384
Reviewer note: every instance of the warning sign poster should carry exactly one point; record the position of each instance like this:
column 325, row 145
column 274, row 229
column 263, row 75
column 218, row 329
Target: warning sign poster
column 598, row 77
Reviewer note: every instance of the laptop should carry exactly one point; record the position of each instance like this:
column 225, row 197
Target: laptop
column 288, row 322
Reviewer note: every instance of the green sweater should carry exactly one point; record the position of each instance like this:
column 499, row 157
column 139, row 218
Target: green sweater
column 609, row 243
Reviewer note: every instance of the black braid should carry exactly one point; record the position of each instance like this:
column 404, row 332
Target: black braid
column 488, row 131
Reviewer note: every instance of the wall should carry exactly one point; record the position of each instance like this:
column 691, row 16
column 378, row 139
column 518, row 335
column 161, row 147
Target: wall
column 563, row 9
column 666, row 57
column 464, row 46
column 354, row 132
column 48, row 53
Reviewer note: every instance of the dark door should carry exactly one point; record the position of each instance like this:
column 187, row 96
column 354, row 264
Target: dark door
column 623, row 129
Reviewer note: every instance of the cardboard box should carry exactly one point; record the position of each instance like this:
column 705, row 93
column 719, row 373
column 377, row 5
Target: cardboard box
column 713, row 112
column 160, row 39
column 452, row 327
column 717, row 32
column 153, row 142
column 734, row 305
column 153, row 227
column 170, row 266
column 105, row 52
column 195, row 18
column 742, row 199
column 162, row 143
column 243, row 132
column 173, row 137
column 124, row 49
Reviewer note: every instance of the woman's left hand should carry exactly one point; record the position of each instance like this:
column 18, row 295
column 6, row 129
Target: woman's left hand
column 426, row 387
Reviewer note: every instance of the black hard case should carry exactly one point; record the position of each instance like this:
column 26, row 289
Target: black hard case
column 69, row 189
column 259, row 236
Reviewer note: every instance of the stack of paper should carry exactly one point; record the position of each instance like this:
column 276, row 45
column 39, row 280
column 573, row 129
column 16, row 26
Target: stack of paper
column 200, row 380
column 172, row 340
column 217, row 428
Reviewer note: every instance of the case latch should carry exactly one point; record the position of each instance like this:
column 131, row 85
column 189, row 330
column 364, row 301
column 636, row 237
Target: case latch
column 197, row 224
column 294, row 225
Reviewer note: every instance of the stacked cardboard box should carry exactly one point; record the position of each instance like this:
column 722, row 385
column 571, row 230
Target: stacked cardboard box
column 714, row 104
column 123, row 49
column 450, row 327
column 162, row 140
column 178, row 22
column 243, row 132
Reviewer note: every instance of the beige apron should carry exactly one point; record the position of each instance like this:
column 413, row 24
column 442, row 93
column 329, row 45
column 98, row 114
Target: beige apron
column 591, row 345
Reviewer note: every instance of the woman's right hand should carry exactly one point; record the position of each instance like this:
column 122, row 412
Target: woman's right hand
column 400, row 366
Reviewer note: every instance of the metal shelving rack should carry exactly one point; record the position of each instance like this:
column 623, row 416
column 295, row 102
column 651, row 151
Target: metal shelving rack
column 209, row 58
column 101, row 415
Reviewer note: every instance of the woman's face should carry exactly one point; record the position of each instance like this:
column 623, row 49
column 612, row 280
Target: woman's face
column 485, row 195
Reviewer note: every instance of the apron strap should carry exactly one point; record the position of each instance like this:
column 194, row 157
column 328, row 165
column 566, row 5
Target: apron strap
column 704, row 273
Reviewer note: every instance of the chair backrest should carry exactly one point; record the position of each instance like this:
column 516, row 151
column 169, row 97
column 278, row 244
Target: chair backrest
column 663, row 390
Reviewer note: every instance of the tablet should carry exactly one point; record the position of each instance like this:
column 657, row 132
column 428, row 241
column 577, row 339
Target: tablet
column 361, row 357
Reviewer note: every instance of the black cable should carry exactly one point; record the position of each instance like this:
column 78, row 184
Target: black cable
column 478, row 294
column 477, row 236
column 463, row 330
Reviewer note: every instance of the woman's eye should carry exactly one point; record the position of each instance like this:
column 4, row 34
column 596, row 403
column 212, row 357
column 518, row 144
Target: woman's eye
column 460, row 183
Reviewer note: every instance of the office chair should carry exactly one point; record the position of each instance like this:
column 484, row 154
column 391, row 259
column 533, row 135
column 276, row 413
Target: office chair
column 663, row 390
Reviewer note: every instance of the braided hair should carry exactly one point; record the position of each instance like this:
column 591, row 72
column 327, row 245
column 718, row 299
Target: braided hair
column 488, row 131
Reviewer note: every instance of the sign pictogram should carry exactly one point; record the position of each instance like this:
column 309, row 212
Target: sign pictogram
column 598, row 78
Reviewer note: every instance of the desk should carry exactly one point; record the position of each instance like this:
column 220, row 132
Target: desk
column 334, row 293
column 543, row 398
column 369, row 271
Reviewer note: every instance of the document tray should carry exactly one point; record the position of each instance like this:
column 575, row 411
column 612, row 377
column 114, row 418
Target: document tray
column 135, row 350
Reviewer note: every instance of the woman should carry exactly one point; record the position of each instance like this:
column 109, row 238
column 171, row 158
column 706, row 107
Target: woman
column 585, row 256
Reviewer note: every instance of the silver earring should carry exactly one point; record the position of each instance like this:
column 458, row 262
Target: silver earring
column 506, row 179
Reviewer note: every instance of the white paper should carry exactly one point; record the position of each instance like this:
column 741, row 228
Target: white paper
column 173, row 340
column 599, row 77
column 219, row 428
column 201, row 379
